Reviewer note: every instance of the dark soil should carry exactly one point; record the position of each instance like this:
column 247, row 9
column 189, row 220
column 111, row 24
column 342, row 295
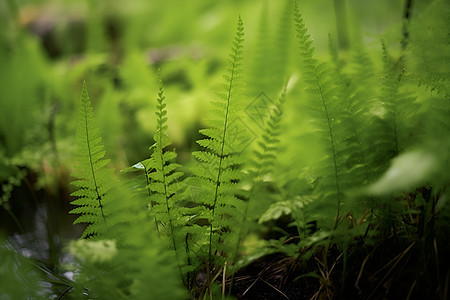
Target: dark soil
column 274, row 277
column 394, row 269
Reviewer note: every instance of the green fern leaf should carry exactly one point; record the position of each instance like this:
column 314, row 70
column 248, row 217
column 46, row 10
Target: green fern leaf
column 92, row 183
column 218, row 170
column 163, row 187
column 325, row 108
column 162, row 171
column 267, row 146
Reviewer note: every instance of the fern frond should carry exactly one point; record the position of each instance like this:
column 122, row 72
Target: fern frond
column 163, row 174
column 266, row 146
column 362, row 107
column 219, row 164
column 400, row 110
column 92, row 183
column 357, row 99
column 324, row 104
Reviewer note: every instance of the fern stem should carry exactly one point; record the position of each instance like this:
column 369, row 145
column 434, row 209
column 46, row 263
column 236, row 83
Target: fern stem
column 395, row 131
column 219, row 173
column 91, row 163
column 151, row 204
column 166, row 197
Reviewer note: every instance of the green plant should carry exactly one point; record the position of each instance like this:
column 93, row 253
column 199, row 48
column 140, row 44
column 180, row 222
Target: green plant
column 164, row 195
column 366, row 216
column 218, row 174
column 117, row 259
column 200, row 216
column 92, row 180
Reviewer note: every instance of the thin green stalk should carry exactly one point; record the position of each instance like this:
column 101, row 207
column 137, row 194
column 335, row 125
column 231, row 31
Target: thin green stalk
column 91, row 163
column 151, row 204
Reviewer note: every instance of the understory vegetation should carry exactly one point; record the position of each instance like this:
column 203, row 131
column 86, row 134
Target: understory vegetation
column 303, row 172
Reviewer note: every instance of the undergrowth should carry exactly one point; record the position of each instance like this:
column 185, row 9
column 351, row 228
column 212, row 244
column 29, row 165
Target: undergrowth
column 368, row 219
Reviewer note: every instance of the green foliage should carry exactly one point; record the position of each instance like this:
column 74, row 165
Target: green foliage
column 19, row 278
column 363, row 130
column 270, row 59
column 165, row 197
column 348, row 179
column 119, row 263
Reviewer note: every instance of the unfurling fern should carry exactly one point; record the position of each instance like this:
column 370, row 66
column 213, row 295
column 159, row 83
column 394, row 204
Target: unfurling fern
column 219, row 172
column 90, row 173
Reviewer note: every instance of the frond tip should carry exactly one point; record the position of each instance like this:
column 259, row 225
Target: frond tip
column 89, row 172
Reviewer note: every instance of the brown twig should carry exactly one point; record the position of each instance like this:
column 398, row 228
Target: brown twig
column 400, row 257
column 411, row 289
column 362, row 270
column 284, row 295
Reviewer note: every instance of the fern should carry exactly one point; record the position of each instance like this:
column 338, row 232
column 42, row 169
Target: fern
column 266, row 149
column 92, row 184
column 355, row 90
column 430, row 62
column 362, row 107
column 395, row 125
column 162, row 176
column 324, row 107
column 352, row 115
column 218, row 173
